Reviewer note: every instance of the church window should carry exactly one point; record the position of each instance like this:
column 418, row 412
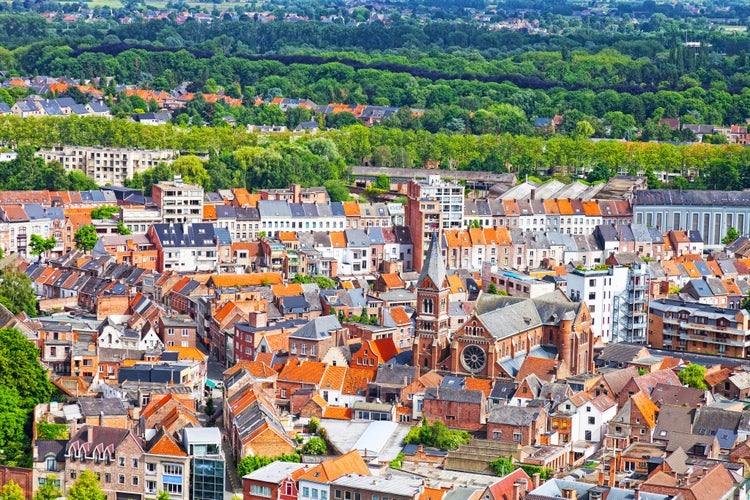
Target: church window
column 427, row 306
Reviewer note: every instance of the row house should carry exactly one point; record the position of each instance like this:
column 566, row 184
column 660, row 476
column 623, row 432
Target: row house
column 185, row 247
column 249, row 335
column 132, row 249
column 566, row 215
column 253, row 427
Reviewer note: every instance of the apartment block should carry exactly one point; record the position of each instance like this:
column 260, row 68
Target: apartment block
column 179, row 202
column 107, row 165
column 698, row 328
column 433, row 205
column 598, row 288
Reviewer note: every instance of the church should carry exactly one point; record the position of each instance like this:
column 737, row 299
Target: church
column 502, row 331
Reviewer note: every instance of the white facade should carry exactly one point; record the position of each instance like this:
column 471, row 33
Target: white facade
column 598, row 290
column 107, row 165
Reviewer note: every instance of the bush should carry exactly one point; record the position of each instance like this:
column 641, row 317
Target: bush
column 437, row 435
column 315, row 446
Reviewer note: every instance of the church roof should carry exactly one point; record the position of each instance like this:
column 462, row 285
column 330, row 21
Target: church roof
column 433, row 266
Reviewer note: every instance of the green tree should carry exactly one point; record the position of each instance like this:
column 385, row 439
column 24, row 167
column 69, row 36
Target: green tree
column 252, row 463
column 315, row 446
column 337, row 190
column 732, row 235
column 324, row 282
column 16, row 292
column 48, row 490
column 78, row 181
column 86, row 238
column 437, row 435
column 86, row 487
column 693, row 375
column 313, row 426
column 122, row 229
column 162, row 495
column 104, row 212
column 40, row 246
column 383, row 182
column 210, row 406
column 11, row 491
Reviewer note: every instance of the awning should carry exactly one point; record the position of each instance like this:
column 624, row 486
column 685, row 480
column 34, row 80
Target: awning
column 211, row 384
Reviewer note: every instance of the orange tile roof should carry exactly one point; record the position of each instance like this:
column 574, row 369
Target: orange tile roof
column 166, row 446
column 334, row 468
column 289, row 290
column 264, row 357
column 356, row 381
column 392, row 280
column 543, row 368
column 565, row 207
column 591, row 208
column 670, row 268
column 319, row 400
column 277, row 341
column 287, row 236
column 384, row 348
column 550, row 207
column 333, row 378
column 257, row 279
column 510, row 207
column 432, row 494
column 191, row 353
column 257, row 369
column 479, row 384
column 647, row 408
column 310, row 372
column 457, row 286
column 399, row 315
column 477, row 236
column 209, row 212
column 156, row 404
column 351, row 208
column 337, row 413
column 731, row 286
column 714, row 267
column 717, row 377
column 223, row 311
column 451, row 238
column 692, row 270
column 338, row 239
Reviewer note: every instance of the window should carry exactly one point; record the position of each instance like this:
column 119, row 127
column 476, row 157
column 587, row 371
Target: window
column 314, row 493
column 121, row 479
column 174, row 489
column 517, row 437
column 592, row 420
column 135, row 463
column 337, row 494
column 135, row 480
column 173, row 469
column 72, row 474
column 122, row 461
column 261, row 491
column 150, row 486
column 107, row 477
column 323, row 495
column 587, row 436
column 305, row 491
column 50, row 464
column 497, row 434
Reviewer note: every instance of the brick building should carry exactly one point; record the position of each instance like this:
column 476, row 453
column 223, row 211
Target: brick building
column 114, row 454
column 513, row 424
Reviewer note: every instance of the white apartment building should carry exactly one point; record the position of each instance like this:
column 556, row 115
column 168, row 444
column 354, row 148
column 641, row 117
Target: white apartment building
column 179, row 202
column 107, row 165
column 598, row 289
column 139, row 219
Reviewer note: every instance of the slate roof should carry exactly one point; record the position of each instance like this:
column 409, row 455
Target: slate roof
column 317, row 328
column 93, row 407
column 522, row 416
column 676, row 197
column 433, row 266
column 185, row 235
column 456, row 395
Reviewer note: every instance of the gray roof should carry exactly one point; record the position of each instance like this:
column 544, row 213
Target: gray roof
column 433, row 266
column 93, row 407
column 275, row 472
column 395, row 374
column 274, row 208
column 514, row 415
column 674, row 197
column 453, row 394
column 620, row 353
column 317, row 328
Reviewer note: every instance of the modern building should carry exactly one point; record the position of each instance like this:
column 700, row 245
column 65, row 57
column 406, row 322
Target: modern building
column 433, row 205
column 630, row 322
column 207, row 464
column 698, row 328
column 107, row 165
column 597, row 288
column 178, row 202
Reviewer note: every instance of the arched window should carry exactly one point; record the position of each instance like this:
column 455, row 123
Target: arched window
column 427, row 306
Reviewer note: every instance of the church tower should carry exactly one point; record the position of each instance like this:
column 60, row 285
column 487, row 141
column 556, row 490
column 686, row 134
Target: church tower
column 431, row 334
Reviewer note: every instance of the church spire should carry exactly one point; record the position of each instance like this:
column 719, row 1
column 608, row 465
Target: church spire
column 433, row 266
